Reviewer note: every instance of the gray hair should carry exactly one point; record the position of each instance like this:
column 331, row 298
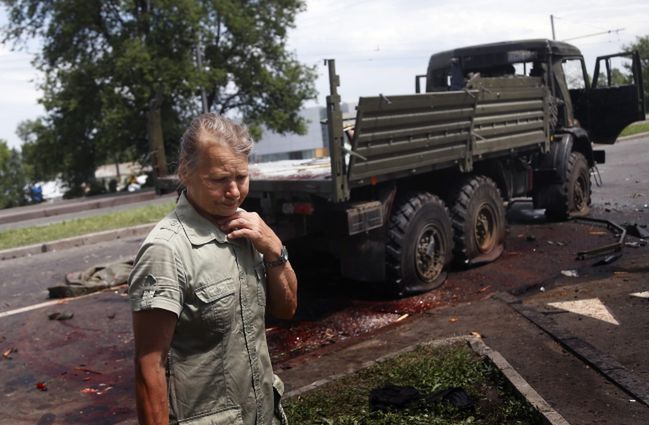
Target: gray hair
column 215, row 127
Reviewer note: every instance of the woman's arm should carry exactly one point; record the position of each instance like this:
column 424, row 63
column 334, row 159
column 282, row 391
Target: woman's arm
column 153, row 331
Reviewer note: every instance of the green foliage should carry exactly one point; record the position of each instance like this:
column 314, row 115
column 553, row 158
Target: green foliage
column 12, row 177
column 642, row 46
column 636, row 128
column 117, row 72
column 345, row 401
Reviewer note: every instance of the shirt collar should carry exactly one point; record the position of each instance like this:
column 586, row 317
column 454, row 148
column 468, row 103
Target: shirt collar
column 198, row 229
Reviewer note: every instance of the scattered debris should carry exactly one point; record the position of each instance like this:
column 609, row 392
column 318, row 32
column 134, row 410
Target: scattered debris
column 530, row 238
column 453, row 320
column 570, row 273
column 60, row 316
column 637, row 244
column 636, row 230
column 41, row 386
column 111, row 315
column 607, row 260
column 82, row 368
column 542, row 289
column 402, row 317
column 598, row 233
column 104, row 388
column 7, row 353
column 485, row 288
column 93, row 279
column 476, row 334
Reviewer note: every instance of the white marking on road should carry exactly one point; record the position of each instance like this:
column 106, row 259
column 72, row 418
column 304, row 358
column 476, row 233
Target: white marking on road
column 49, row 303
column 591, row 308
column 644, row 294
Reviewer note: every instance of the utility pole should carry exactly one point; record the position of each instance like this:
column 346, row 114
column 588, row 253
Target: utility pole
column 554, row 36
column 199, row 62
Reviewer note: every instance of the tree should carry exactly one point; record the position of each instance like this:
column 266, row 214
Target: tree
column 12, row 177
column 121, row 77
column 642, row 46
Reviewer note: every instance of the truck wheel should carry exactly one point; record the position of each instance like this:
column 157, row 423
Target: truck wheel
column 419, row 245
column 478, row 222
column 572, row 198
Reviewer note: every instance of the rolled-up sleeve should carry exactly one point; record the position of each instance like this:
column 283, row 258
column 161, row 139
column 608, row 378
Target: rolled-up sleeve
column 156, row 281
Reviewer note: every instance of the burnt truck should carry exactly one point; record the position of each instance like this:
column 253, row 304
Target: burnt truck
column 415, row 182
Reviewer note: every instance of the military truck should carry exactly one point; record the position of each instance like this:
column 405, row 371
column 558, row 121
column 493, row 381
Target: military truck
column 416, row 181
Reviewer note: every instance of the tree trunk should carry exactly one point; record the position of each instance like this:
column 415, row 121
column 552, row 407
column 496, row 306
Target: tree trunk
column 154, row 133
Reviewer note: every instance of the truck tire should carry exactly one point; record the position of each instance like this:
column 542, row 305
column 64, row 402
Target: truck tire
column 419, row 244
column 572, row 198
column 479, row 222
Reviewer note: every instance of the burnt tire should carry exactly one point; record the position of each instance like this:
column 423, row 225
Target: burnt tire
column 572, row 198
column 479, row 222
column 419, row 245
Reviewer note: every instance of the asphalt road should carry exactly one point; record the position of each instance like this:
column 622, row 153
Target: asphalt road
column 86, row 362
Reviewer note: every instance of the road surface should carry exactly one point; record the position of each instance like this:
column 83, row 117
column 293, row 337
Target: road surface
column 85, row 363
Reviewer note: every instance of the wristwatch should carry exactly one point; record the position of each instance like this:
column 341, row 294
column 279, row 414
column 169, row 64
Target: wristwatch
column 283, row 258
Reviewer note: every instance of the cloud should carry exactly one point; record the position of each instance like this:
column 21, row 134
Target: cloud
column 381, row 45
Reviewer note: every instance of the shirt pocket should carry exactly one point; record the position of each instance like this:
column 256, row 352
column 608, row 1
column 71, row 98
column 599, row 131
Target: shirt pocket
column 216, row 304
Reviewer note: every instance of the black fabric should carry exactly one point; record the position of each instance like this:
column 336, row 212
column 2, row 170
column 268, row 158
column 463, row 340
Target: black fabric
column 394, row 397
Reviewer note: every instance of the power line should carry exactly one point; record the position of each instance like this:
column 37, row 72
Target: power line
column 616, row 31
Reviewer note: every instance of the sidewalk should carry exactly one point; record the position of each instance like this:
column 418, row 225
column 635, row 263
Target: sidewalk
column 578, row 392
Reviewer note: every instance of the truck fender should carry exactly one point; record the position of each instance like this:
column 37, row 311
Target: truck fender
column 551, row 167
column 581, row 143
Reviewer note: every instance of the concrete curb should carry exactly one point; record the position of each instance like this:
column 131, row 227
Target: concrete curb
column 49, row 210
column 88, row 239
column 551, row 416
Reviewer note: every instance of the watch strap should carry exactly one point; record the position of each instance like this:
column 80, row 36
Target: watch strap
column 283, row 258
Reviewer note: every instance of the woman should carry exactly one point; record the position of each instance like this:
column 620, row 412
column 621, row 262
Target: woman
column 201, row 284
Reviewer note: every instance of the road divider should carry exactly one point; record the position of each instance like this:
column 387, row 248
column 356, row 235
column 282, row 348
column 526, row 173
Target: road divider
column 88, row 239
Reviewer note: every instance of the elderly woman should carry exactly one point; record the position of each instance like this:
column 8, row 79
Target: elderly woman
column 202, row 282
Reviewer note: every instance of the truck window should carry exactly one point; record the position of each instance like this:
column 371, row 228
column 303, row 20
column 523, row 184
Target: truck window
column 522, row 68
column 615, row 71
column 574, row 72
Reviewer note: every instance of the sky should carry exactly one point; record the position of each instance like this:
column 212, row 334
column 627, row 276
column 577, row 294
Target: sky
column 380, row 45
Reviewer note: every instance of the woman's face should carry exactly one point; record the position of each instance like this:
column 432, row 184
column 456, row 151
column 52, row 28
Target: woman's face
column 219, row 183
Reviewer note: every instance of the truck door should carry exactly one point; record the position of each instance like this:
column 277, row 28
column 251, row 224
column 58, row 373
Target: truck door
column 614, row 101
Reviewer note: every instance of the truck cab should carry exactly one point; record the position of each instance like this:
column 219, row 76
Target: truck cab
column 603, row 106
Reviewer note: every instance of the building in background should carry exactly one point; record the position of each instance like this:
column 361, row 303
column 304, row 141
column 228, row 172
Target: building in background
column 313, row 144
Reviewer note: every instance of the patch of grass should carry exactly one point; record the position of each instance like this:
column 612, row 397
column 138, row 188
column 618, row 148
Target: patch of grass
column 346, row 401
column 81, row 226
column 636, row 128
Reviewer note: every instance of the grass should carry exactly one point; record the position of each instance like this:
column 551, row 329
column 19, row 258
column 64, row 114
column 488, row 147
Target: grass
column 81, row 226
column 345, row 401
column 635, row 128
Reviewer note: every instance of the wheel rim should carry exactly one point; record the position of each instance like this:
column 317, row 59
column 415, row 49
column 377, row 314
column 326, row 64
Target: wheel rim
column 485, row 235
column 579, row 195
column 429, row 255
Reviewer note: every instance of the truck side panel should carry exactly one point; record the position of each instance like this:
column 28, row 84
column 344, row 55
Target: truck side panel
column 398, row 136
column 511, row 115
column 404, row 133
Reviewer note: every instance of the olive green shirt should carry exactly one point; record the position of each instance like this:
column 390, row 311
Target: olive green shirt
column 218, row 366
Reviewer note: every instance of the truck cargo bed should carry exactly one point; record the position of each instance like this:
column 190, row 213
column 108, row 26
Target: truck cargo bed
column 293, row 175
